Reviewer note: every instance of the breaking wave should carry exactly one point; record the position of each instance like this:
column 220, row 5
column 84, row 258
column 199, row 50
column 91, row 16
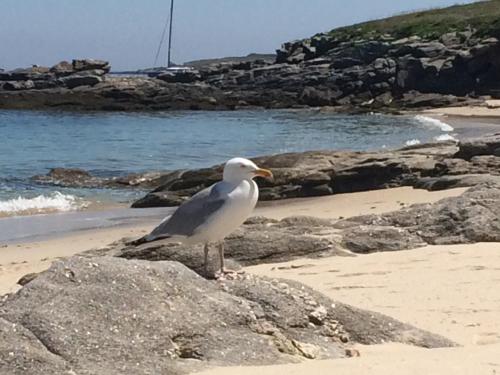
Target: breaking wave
column 445, row 137
column 412, row 142
column 433, row 122
column 54, row 202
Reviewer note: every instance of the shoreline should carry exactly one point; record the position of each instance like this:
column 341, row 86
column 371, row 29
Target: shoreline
column 34, row 255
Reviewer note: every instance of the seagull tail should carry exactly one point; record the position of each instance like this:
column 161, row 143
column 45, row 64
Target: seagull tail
column 148, row 238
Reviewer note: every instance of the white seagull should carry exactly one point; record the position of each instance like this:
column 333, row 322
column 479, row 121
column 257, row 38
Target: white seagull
column 214, row 212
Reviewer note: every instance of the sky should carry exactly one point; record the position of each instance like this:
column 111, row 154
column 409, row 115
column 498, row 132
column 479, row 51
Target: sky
column 127, row 32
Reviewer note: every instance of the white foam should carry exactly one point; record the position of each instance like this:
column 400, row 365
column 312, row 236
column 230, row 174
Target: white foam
column 434, row 122
column 445, row 137
column 412, row 142
column 41, row 204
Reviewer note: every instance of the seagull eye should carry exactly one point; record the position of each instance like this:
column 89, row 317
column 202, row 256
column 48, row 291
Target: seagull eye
column 242, row 166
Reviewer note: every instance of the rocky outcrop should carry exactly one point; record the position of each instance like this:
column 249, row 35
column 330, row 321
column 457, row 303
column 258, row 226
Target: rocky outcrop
column 347, row 69
column 433, row 167
column 106, row 315
column 472, row 217
column 61, row 76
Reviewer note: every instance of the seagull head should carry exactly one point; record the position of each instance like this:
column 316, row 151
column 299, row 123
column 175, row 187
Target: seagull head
column 239, row 169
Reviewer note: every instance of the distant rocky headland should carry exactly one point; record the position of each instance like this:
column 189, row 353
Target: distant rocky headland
column 426, row 59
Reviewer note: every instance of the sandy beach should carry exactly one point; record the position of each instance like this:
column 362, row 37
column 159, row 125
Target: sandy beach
column 18, row 259
column 449, row 290
column 491, row 109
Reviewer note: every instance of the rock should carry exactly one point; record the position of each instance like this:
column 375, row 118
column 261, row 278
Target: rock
column 166, row 319
column 317, row 98
column 27, row 278
column 451, row 182
column 89, row 64
column 68, row 177
column 78, row 178
column 160, row 199
column 451, row 39
column 479, row 146
column 28, row 74
column 414, row 99
column 181, row 77
column 315, row 173
column 318, row 315
column 76, row 80
column 62, row 69
column 369, row 239
column 18, row 85
column 255, row 243
column 472, row 217
column 21, row 352
column 350, row 352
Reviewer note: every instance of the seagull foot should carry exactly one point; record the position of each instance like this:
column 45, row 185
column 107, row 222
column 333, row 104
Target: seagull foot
column 227, row 274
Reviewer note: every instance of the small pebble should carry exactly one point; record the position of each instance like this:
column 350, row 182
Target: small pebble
column 351, row 352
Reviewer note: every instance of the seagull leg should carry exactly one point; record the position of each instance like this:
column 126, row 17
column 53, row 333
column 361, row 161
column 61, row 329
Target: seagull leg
column 221, row 256
column 223, row 270
column 205, row 263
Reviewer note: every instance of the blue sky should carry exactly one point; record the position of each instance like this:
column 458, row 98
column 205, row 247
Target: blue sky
column 127, row 32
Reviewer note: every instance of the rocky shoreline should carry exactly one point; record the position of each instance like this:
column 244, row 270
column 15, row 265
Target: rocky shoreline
column 344, row 71
column 433, row 166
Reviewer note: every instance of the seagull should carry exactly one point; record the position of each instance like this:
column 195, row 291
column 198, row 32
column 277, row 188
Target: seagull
column 215, row 212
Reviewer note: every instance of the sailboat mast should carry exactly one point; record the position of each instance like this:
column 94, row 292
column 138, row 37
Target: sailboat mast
column 169, row 62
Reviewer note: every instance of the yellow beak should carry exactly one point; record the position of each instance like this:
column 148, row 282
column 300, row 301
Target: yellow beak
column 266, row 173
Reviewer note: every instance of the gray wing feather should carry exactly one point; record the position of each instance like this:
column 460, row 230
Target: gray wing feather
column 191, row 214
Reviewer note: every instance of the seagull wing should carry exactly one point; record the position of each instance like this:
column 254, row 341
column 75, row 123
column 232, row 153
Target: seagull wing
column 191, row 214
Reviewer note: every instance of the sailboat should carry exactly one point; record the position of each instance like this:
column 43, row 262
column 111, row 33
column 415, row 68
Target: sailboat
column 170, row 66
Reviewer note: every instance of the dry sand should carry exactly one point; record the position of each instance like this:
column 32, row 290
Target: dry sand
column 451, row 290
column 491, row 109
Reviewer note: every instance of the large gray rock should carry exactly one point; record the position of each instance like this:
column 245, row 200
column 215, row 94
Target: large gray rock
column 314, row 173
column 479, row 146
column 259, row 241
column 113, row 316
column 472, row 217
column 369, row 239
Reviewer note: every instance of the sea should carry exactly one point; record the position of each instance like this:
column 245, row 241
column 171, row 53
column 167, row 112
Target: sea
column 114, row 144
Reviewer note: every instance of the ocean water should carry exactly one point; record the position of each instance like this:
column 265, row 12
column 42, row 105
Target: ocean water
column 111, row 144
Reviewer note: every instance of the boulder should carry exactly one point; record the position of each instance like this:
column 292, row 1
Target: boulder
column 62, row 69
column 89, row 64
column 76, row 80
column 106, row 315
column 472, row 217
column 369, row 239
column 479, row 146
